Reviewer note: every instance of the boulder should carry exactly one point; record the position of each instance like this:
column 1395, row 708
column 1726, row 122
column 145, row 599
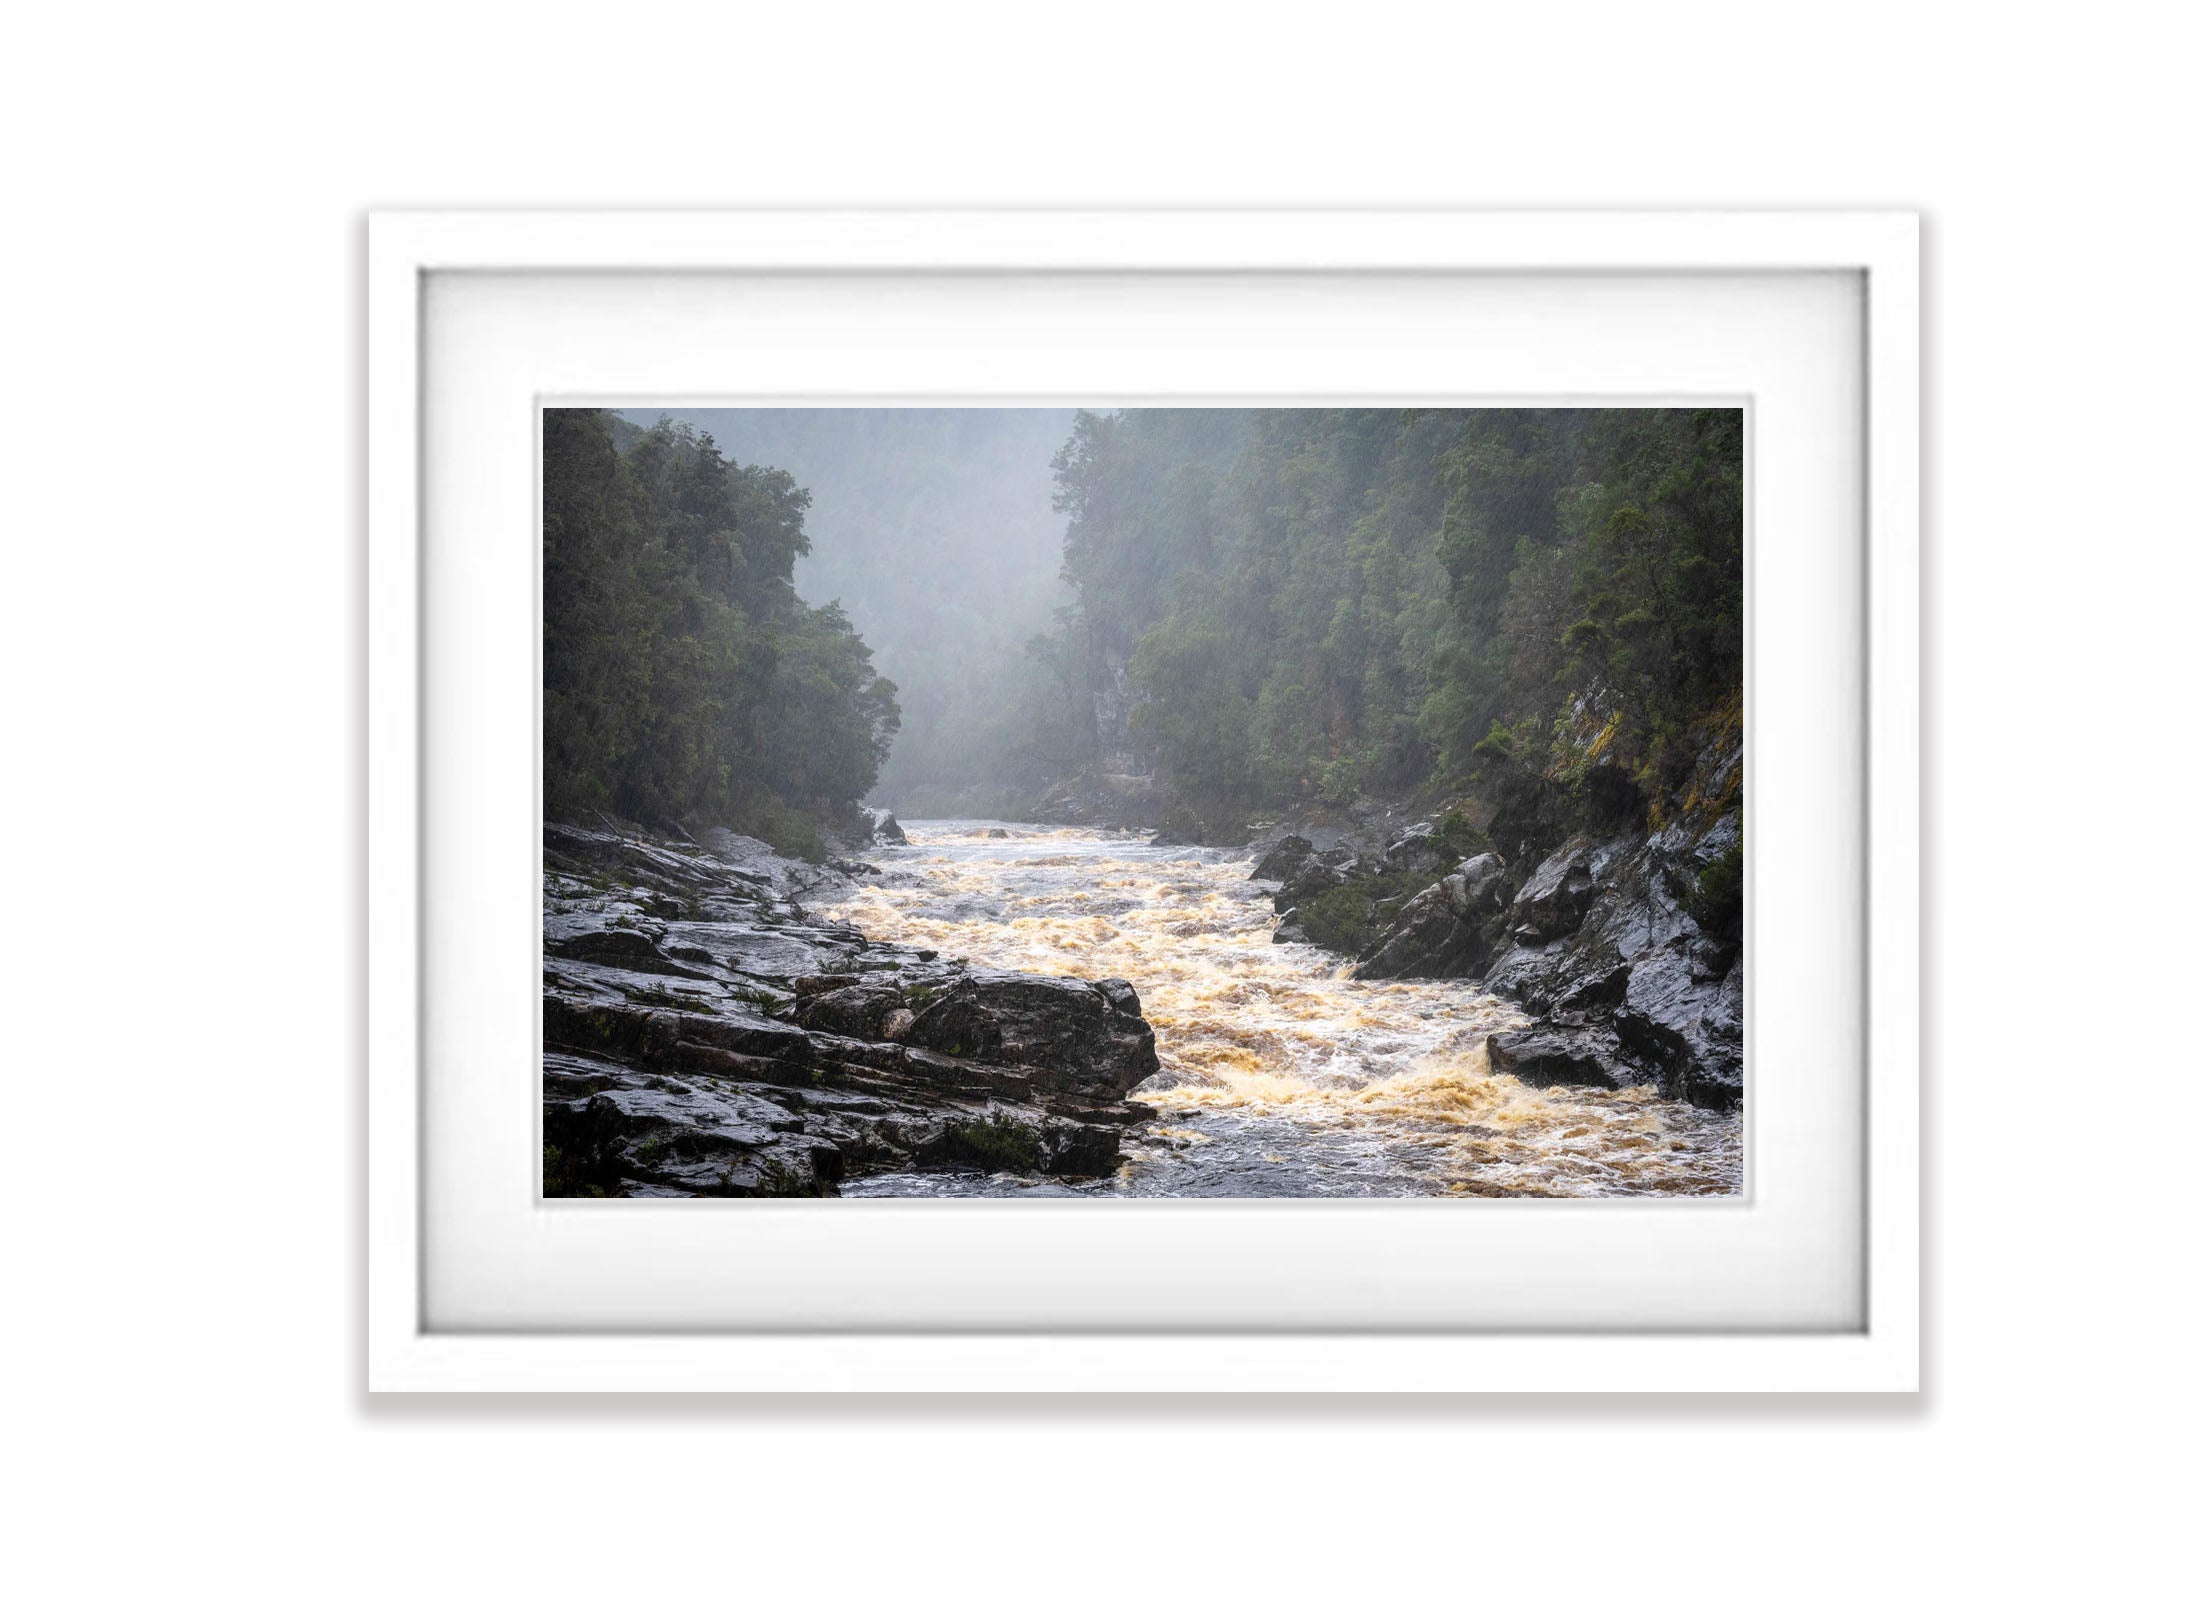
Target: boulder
column 1555, row 1053
column 1283, row 858
column 1313, row 877
column 1317, row 874
column 884, row 829
column 1445, row 931
column 1551, row 903
column 1418, row 851
column 1078, row 1039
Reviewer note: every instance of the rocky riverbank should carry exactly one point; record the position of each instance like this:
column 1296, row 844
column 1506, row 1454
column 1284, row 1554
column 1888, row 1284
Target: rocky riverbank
column 1625, row 945
column 705, row 1033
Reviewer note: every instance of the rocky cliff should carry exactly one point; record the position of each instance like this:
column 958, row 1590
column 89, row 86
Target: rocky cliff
column 705, row 1033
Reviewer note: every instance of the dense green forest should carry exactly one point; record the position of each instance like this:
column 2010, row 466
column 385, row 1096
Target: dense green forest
column 934, row 528
column 683, row 678
column 1535, row 615
column 1540, row 608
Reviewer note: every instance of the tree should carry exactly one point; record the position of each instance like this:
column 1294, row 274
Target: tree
column 683, row 678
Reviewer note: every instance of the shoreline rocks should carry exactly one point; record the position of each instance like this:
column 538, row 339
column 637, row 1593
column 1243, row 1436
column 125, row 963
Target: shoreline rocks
column 1624, row 946
column 705, row 1033
column 1447, row 930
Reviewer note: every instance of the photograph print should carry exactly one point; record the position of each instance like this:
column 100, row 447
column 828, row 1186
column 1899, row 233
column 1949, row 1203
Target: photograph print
column 1142, row 803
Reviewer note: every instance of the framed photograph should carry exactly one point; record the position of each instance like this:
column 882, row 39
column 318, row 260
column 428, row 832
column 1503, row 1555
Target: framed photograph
column 1143, row 801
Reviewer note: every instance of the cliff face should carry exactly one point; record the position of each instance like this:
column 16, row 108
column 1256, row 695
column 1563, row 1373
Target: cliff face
column 1118, row 788
column 1628, row 949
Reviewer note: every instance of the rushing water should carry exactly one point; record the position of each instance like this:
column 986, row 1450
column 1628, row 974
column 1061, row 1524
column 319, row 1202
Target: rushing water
column 1280, row 1075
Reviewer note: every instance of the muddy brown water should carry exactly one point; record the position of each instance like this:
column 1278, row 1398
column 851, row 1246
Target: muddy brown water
column 1281, row 1075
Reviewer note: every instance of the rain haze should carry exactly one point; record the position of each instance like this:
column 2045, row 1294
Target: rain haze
column 1161, row 802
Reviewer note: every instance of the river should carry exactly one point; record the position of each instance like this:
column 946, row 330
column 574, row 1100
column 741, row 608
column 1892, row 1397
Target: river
column 1281, row 1076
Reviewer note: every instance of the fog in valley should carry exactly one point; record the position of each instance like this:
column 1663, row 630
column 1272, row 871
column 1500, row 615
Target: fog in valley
column 1145, row 802
column 936, row 530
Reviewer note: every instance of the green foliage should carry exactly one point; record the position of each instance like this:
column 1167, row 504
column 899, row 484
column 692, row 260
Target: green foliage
column 1317, row 605
column 1456, row 833
column 1716, row 903
column 1195, row 712
column 1347, row 917
column 997, row 1143
column 1270, row 608
column 1268, row 583
column 683, row 679
column 933, row 528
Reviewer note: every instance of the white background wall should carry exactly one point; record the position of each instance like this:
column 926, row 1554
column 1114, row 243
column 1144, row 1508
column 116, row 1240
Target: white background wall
column 181, row 650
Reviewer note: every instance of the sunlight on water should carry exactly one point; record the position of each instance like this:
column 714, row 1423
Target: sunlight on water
column 1279, row 1075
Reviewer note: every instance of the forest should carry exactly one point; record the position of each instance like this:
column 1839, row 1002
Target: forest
column 934, row 528
column 683, row 677
column 1534, row 614
column 1534, row 608
column 1178, row 705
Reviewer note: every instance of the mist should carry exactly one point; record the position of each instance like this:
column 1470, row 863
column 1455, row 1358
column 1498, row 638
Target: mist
column 935, row 529
column 1422, row 726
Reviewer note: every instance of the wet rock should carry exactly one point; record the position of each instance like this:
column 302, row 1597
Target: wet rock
column 1691, row 1030
column 856, row 1010
column 1552, row 902
column 609, row 945
column 1596, row 990
column 1317, row 875
column 1119, row 994
column 996, row 833
column 1418, row 851
column 1603, row 946
column 749, row 1049
column 1067, row 1030
column 1554, row 1054
column 1527, row 975
column 884, row 829
column 1289, row 930
column 1445, row 931
column 781, row 955
column 1283, row 858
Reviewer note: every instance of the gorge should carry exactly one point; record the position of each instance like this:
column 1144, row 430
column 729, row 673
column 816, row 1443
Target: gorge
column 1329, row 803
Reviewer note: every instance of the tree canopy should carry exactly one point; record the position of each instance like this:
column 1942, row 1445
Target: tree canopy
column 1271, row 608
column 1313, row 605
column 683, row 678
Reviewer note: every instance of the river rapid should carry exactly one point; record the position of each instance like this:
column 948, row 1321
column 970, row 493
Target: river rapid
column 1281, row 1076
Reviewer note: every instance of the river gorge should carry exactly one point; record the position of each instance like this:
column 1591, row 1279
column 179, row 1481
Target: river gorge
column 1281, row 1075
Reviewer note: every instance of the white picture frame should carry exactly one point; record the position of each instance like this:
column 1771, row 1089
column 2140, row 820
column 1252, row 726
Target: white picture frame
column 406, row 252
